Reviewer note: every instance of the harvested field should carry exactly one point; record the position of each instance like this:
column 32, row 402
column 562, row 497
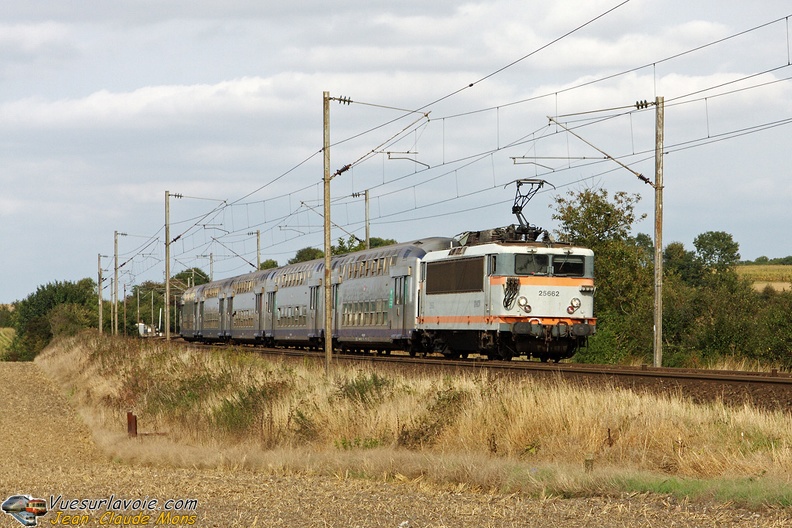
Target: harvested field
column 776, row 285
column 775, row 276
column 50, row 451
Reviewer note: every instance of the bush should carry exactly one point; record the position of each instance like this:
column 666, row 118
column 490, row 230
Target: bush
column 59, row 307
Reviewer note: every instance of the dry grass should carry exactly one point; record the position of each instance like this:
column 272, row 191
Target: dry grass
column 6, row 336
column 743, row 364
column 237, row 409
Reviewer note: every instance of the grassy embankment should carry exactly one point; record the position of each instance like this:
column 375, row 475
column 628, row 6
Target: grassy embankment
column 6, row 336
column 237, row 409
column 776, row 276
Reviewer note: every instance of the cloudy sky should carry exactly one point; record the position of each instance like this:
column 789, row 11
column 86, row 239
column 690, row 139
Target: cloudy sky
column 105, row 106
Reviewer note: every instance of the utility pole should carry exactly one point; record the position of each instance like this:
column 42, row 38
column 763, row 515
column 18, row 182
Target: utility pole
column 210, row 256
column 328, row 295
column 167, row 266
column 658, row 230
column 258, row 247
column 368, row 222
column 116, row 234
column 99, row 288
column 125, row 313
column 658, row 234
column 115, row 283
column 167, row 262
column 328, row 308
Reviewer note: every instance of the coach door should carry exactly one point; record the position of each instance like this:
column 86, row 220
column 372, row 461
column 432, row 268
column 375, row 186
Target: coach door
column 314, row 313
column 398, row 306
column 335, row 313
column 259, row 315
column 229, row 316
column 222, row 317
column 197, row 308
column 269, row 317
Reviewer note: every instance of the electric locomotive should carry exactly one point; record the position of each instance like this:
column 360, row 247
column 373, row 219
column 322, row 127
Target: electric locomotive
column 500, row 295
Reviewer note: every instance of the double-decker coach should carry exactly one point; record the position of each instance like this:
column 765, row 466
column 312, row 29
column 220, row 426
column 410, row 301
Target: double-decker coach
column 374, row 292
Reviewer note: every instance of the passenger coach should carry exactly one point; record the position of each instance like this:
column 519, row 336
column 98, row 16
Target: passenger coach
column 374, row 296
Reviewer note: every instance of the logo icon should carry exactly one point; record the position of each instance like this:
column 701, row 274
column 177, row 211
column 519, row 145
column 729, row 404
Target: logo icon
column 25, row 509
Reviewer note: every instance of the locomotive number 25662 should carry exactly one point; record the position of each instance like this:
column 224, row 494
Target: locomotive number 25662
column 549, row 293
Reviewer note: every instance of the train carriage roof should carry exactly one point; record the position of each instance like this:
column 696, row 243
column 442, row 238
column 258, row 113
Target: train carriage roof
column 415, row 248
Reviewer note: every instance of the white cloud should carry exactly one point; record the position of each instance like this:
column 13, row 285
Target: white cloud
column 33, row 39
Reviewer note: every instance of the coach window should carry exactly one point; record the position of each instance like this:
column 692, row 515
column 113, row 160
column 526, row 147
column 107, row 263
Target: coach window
column 399, row 291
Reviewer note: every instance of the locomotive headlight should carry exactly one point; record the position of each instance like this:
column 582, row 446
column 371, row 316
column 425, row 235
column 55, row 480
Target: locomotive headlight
column 522, row 302
column 574, row 304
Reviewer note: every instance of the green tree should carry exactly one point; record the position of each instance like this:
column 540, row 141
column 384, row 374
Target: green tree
column 717, row 250
column 623, row 267
column 352, row 244
column 644, row 241
column 682, row 263
column 192, row 276
column 306, row 254
column 34, row 316
column 6, row 316
column 70, row 318
column 589, row 218
column 268, row 264
column 709, row 312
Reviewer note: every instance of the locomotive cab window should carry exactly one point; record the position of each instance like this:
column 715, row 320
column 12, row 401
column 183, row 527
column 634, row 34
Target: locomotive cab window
column 569, row 266
column 531, row 264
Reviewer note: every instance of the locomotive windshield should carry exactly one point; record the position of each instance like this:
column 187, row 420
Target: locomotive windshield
column 568, row 266
column 547, row 264
column 531, row 264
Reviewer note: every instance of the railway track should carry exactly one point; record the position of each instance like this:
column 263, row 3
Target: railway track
column 766, row 390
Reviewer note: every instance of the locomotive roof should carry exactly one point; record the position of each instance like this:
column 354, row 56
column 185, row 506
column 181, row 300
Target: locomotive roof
column 500, row 247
